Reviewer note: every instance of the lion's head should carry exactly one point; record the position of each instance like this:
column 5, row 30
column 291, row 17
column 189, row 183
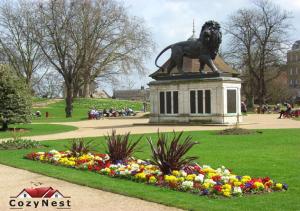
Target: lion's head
column 211, row 37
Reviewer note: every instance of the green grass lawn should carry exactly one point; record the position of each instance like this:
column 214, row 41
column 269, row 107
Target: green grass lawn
column 80, row 108
column 273, row 153
column 37, row 129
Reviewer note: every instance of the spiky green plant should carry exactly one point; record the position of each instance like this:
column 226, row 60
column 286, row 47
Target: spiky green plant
column 119, row 147
column 80, row 147
column 169, row 155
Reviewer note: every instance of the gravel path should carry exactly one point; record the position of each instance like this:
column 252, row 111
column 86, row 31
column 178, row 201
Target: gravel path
column 92, row 128
column 82, row 198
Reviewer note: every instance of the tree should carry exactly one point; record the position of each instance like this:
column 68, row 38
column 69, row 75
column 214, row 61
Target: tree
column 85, row 39
column 20, row 51
column 50, row 85
column 258, row 40
column 15, row 98
column 111, row 40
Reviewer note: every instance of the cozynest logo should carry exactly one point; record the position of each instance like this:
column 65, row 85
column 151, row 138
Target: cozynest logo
column 40, row 197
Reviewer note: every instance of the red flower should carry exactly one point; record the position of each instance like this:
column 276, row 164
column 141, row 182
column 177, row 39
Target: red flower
column 216, row 178
column 266, row 179
column 218, row 188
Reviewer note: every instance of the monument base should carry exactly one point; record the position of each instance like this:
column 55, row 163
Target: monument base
column 213, row 100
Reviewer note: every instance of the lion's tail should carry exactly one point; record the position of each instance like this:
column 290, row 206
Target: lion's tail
column 164, row 50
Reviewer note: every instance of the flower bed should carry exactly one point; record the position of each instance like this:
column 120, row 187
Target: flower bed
column 202, row 180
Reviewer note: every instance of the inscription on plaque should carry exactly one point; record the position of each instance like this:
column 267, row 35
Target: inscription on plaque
column 231, row 101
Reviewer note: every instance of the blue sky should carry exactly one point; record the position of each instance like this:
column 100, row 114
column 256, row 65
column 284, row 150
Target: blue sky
column 170, row 21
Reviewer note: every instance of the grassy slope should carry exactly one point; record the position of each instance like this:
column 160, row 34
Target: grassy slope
column 81, row 107
column 37, row 129
column 274, row 153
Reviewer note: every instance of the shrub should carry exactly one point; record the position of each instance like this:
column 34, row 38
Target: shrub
column 119, row 147
column 80, row 147
column 169, row 157
column 15, row 98
column 19, row 143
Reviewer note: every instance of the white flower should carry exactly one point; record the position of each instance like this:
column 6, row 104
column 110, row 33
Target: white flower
column 226, row 172
column 139, row 161
column 199, row 178
column 183, row 173
column 209, row 181
column 187, row 184
column 237, row 190
column 53, row 151
column 225, row 178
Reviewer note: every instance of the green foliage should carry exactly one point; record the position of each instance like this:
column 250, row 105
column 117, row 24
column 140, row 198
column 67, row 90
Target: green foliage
column 15, row 98
column 169, row 157
column 119, row 148
column 19, row 144
column 16, row 142
column 80, row 147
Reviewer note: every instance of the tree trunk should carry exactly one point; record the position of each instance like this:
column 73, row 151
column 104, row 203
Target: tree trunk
column 69, row 101
column 4, row 126
column 86, row 86
column 76, row 92
column 86, row 89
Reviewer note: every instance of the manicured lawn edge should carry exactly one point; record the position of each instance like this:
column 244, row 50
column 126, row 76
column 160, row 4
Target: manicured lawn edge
column 38, row 129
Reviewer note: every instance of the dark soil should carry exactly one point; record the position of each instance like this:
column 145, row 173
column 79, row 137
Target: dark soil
column 237, row 131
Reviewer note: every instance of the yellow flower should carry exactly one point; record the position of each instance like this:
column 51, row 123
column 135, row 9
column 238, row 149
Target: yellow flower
column 208, row 170
column 278, row 186
column 259, row 185
column 245, row 179
column 170, row 178
column 190, row 177
column 206, row 185
column 237, row 184
column 175, row 173
column 141, row 176
column 211, row 174
column 180, row 179
column 233, row 180
column 227, row 193
column 226, row 187
column 152, row 179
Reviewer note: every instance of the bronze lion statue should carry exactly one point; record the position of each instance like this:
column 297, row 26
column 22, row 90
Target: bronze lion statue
column 205, row 48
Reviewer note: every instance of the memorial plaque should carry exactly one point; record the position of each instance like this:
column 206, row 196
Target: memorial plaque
column 193, row 101
column 169, row 102
column 175, row 102
column 200, row 101
column 207, row 102
column 162, row 102
column 231, row 101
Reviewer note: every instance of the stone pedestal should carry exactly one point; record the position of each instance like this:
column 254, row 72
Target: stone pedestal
column 215, row 100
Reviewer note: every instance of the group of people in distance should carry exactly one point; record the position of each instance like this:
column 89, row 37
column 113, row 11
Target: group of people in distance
column 268, row 109
column 97, row 114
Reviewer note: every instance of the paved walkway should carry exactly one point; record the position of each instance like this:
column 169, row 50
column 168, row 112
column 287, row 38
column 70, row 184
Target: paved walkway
column 92, row 128
column 82, row 198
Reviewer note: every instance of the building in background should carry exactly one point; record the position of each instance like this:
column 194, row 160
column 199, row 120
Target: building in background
column 293, row 69
column 132, row 94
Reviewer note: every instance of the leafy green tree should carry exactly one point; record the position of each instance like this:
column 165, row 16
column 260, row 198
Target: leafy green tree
column 15, row 98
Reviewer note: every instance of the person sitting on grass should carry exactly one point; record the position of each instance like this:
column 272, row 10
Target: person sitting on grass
column 286, row 112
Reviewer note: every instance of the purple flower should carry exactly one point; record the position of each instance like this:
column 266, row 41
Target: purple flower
column 285, row 186
column 205, row 192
